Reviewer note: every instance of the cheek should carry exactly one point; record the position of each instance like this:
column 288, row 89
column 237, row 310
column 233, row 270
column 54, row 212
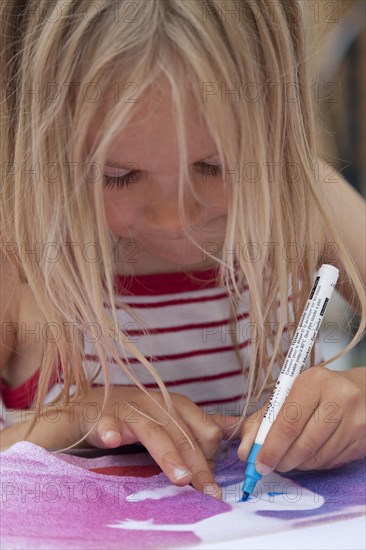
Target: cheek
column 118, row 212
column 218, row 198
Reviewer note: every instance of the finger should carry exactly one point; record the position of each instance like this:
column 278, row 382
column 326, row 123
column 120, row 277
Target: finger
column 207, row 437
column 110, row 432
column 207, row 429
column 210, row 441
column 317, row 434
column 349, row 453
column 163, row 450
column 204, row 457
column 249, row 431
column 174, row 454
column 230, row 425
column 291, row 419
column 327, row 453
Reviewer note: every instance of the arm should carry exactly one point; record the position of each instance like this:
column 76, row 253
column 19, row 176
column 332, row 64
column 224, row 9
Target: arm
column 349, row 213
column 357, row 375
column 9, row 309
column 348, row 210
column 57, row 431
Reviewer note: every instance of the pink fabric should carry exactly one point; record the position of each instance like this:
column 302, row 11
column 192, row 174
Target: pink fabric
column 124, row 501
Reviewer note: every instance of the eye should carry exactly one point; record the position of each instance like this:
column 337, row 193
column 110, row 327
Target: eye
column 210, row 169
column 121, row 181
column 134, row 175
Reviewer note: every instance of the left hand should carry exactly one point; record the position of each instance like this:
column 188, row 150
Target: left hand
column 321, row 425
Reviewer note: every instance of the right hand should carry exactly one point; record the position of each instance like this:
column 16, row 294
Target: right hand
column 165, row 443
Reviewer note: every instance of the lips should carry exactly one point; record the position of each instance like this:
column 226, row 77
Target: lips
column 174, row 237
column 177, row 235
column 171, row 236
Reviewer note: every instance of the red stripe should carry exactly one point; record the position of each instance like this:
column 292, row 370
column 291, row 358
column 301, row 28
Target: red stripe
column 165, row 283
column 23, row 396
column 166, row 303
column 161, row 358
column 179, row 328
column 219, row 401
column 186, row 380
column 18, row 398
column 128, row 471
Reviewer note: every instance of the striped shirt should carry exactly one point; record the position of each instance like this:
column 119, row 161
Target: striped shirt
column 187, row 316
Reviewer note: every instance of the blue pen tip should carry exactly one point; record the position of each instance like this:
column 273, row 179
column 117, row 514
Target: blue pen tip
column 245, row 496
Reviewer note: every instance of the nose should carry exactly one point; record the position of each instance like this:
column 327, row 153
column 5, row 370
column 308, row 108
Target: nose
column 164, row 215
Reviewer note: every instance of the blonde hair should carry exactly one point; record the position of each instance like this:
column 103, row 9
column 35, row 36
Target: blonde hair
column 61, row 48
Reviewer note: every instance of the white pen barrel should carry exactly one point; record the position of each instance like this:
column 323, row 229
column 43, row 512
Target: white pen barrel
column 301, row 345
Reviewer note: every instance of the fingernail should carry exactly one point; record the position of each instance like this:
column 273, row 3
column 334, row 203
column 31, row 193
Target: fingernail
column 212, row 490
column 108, row 436
column 263, row 469
column 180, row 473
column 218, row 493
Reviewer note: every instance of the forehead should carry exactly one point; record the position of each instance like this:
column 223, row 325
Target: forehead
column 150, row 135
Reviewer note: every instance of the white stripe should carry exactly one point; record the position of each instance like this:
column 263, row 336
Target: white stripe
column 176, row 316
column 195, row 367
column 184, row 341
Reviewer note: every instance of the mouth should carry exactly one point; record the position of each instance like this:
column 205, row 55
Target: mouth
column 173, row 237
column 179, row 235
column 167, row 236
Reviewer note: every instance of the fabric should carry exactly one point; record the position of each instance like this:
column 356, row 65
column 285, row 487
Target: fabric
column 124, row 501
column 188, row 342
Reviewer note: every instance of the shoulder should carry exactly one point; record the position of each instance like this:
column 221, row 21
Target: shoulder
column 348, row 214
column 337, row 189
column 10, row 289
column 17, row 301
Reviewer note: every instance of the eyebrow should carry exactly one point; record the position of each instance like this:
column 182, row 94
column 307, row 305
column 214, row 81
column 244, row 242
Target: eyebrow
column 115, row 164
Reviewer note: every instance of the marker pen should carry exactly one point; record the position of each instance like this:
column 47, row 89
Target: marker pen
column 301, row 345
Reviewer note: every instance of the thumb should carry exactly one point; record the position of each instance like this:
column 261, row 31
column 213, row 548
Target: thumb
column 109, row 433
column 249, row 431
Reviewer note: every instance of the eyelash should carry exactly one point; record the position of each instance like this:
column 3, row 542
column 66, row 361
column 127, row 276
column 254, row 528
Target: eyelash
column 123, row 181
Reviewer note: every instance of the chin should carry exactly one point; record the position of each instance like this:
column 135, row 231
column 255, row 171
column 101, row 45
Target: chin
column 183, row 259
column 183, row 256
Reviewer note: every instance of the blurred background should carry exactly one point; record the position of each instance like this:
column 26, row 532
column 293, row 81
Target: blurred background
column 337, row 30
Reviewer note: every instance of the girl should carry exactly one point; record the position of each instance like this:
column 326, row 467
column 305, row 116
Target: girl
column 163, row 212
